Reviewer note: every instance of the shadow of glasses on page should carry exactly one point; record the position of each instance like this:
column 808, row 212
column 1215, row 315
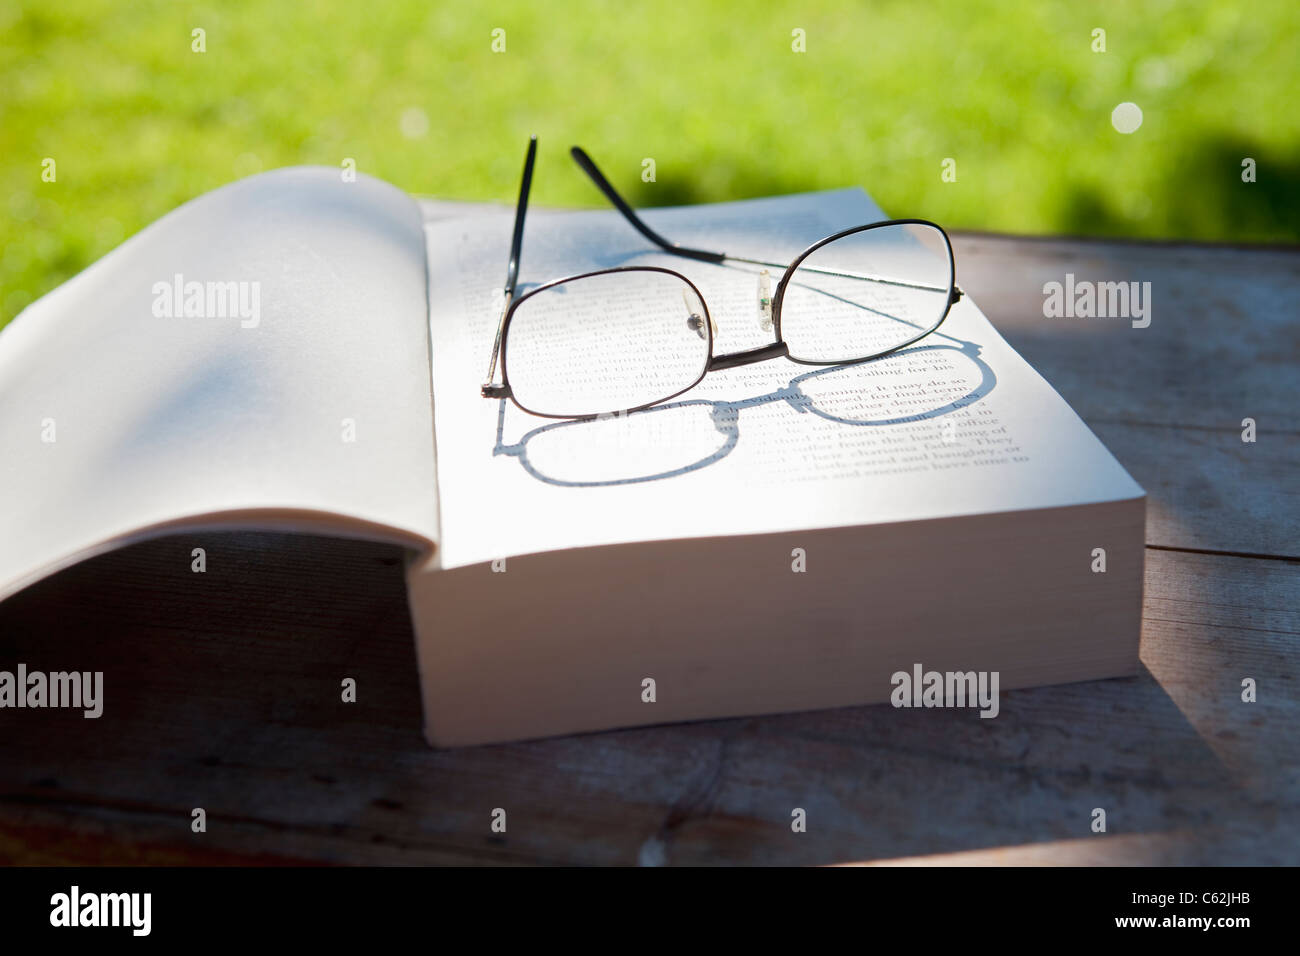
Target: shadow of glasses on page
column 677, row 438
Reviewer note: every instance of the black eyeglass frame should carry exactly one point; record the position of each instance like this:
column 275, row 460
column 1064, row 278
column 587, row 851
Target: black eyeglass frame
column 776, row 349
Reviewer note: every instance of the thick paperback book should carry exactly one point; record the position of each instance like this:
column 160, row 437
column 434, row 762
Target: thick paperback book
column 297, row 352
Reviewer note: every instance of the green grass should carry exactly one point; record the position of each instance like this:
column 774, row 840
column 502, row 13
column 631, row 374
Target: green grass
column 138, row 123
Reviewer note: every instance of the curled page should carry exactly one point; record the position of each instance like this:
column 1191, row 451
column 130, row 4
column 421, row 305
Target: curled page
column 256, row 359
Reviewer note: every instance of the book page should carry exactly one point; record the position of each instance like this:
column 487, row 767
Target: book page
column 256, row 359
column 955, row 424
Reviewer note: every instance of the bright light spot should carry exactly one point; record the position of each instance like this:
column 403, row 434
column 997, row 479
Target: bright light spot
column 1126, row 117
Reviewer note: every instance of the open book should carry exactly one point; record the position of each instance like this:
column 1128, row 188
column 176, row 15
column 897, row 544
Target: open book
column 297, row 352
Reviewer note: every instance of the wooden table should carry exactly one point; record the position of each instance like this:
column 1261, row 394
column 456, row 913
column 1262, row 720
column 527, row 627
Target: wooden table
column 227, row 698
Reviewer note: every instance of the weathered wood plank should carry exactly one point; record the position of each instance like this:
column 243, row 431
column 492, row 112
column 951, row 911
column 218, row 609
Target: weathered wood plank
column 1206, row 490
column 1168, row 400
column 1223, row 343
column 223, row 692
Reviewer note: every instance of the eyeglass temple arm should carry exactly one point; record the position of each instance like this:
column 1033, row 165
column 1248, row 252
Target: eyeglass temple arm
column 589, row 167
column 516, row 248
column 955, row 294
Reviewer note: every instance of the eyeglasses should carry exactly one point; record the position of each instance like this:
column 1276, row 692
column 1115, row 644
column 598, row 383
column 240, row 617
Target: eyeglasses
column 627, row 338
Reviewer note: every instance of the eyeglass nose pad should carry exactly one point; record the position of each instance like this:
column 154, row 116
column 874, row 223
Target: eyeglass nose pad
column 765, row 301
column 694, row 321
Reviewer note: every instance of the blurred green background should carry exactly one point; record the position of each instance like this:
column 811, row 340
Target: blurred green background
column 1013, row 92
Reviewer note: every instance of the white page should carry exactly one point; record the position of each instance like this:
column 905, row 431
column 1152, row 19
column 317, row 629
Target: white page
column 956, row 424
column 229, row 418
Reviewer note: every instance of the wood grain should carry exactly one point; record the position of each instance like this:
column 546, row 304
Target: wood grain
column 224, row 694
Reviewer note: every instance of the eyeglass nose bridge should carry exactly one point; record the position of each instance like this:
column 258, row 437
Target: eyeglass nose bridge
column 748, row 356
column 777, row 349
